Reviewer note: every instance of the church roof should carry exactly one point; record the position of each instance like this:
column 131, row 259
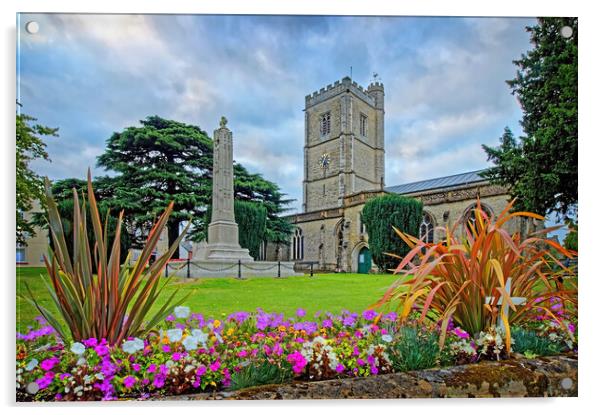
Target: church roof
column 437, row 183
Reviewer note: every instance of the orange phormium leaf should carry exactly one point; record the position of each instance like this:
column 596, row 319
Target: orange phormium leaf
column 461, row 272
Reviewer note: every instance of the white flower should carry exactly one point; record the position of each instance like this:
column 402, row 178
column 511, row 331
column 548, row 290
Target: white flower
column 81, row 361
column 132, row 346
column 31, row 365
column 190, row 343
column 78, row 348
column 181, row 311
column 387, row 338
column 174, row 335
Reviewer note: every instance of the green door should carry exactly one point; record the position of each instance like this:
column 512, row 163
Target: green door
column 364, row 261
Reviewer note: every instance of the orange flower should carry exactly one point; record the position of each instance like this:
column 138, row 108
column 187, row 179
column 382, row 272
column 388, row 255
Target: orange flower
column 281, row 328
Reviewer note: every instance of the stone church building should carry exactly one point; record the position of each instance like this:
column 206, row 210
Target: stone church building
column 344, row 166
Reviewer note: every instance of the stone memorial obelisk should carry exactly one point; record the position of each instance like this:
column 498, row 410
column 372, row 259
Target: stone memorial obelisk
column 222, row 238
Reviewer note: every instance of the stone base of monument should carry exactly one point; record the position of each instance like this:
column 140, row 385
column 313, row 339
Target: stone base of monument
column 223, row 253
column 229, row 269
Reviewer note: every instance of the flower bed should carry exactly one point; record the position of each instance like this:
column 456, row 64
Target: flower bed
column 190, row 353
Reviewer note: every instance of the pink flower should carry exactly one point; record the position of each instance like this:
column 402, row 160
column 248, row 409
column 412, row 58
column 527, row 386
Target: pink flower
column 136, row 367
column 201, row 371
column 374, row 370
column 298, row 361
column 176, row 356
column 166, row 348
column 340, row 368
column 49, row 363
column 242, row 353
column 461, row 333
column 215, row 366
column 152, row 368
column 360, row 362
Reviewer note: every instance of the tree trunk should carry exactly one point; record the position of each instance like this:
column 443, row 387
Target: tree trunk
column 173, row 231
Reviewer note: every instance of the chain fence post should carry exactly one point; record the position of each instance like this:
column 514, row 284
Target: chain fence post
column 278, row 269
column 188, row 268
column 311, row 269
column 239, row 270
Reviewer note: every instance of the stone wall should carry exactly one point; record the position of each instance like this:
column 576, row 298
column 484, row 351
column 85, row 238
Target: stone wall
column 554, row 376
column 444, row 205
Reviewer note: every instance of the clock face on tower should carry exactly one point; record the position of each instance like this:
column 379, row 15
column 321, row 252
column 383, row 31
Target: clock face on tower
column 324, row 161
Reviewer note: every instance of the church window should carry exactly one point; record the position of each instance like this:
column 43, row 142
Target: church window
column 363, row 125
column 470, row 214
column 427, row 228
column 297, row 245
column 325, row 124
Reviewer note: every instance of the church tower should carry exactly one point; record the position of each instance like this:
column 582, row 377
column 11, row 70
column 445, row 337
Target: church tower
column 344, row 149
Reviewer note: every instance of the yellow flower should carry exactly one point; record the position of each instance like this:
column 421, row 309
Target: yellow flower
column 282, row 328
column 230, row 331
column 216, row 323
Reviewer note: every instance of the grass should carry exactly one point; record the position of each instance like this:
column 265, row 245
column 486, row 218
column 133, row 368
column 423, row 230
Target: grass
column 221, row 296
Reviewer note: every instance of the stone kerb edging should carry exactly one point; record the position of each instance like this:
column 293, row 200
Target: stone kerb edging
column 542, row 377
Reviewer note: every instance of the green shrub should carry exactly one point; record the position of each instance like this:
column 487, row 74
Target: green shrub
column 260, row 373
column 414, row 348
column 114, row 302
column 531, row 342
column 383, row 213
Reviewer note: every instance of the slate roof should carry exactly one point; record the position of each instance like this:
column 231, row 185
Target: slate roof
column 437, row 183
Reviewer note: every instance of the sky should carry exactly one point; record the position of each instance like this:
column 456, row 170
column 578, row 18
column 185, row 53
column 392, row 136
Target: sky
column 445, row 90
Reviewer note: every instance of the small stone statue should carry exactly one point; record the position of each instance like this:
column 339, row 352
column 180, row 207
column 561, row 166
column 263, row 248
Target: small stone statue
column 223, row 121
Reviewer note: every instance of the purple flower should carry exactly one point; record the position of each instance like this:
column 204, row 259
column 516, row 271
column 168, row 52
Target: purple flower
column 340, row 368
column 129, row 381
column 170, row 318
column 201, row 370
column 101, row 350
column 136, row 367
column 63, row 376
column 45, row 380
column 374, row 370
column 392, row 316
column 176, row 356
column 369, row 314
column 360, row 362
column 300, row 312
column 91, row 342
column 327, row 323
column 166, row 348
column 152, row 368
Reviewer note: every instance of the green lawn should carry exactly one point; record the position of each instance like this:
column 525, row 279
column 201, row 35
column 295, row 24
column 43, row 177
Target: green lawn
column 219, row 296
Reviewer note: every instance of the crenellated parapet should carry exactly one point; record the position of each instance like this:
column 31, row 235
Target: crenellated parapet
column 344, row 85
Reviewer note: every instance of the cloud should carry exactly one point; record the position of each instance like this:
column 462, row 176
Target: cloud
column 92, row 75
